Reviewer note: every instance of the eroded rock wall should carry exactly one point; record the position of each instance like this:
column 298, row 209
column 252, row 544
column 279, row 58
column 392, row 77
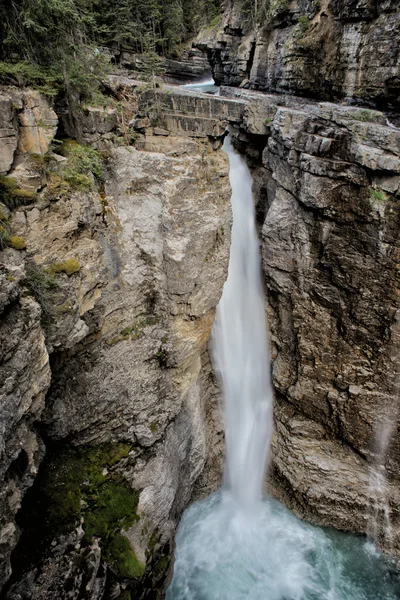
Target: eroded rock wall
column 327, row 49
column 126, row 278
column 330, row 249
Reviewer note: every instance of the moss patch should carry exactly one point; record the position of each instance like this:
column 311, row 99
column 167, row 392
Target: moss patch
column 12, row 196
column 122, row 558
column 69, row 267
column 79, row 485
column 16, row 242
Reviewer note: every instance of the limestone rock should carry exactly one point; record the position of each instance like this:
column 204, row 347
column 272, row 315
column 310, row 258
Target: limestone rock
column 24, row 381
column 128, row 331
column 27, row 125
column 8, row 133
column 330, row 254
column 329, row 50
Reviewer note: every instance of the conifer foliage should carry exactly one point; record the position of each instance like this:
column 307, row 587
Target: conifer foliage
column 59, row 40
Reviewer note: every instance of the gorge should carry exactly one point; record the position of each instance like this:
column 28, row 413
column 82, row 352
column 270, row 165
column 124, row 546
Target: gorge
column 115, row 231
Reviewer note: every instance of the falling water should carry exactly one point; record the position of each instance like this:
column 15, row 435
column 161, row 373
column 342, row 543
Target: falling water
column 207, row 86
column 240, row 348
column 379, row 525
column 235, row 545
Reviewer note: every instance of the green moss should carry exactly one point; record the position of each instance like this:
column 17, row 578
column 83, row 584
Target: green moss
column 12, row 196
column 377, row 194
column 114, row 507
column 69, row 267
column 16, row 242
column 77, row 485
column 267, row 121
column 122, row 558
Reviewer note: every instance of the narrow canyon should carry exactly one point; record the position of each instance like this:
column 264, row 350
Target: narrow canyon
column 115, row 235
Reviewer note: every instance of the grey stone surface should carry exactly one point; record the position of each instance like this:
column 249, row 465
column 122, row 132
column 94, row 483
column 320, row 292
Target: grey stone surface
column 331, row 49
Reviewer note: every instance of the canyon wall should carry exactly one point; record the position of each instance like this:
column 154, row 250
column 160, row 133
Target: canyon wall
column 326, row 49
column 107, row 304
column 109, row 281
column 327, row 187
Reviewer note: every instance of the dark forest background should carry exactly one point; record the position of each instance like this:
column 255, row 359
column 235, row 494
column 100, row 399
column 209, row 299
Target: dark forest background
column 52, row 44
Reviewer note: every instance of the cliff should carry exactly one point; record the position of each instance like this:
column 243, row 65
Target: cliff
column 326, row 184
column 107, row 306
column 325, row 49
column 114, row 255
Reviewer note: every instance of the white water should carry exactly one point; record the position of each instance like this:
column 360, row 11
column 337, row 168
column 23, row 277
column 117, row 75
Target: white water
column 207, row 85
column 240, row 348
column 234, row 545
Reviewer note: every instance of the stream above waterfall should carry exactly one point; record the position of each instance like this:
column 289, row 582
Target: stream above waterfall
column 235, row 545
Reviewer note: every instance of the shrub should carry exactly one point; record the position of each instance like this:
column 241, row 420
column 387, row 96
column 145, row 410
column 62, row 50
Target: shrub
column 23, row 73
column 83, row 164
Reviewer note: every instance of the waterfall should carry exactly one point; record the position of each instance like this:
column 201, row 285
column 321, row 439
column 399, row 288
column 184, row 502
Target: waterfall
column 235, row 545
column 239, row 341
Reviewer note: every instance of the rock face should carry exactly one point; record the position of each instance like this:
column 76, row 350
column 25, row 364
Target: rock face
column 329, row 49
column 27, row 126
column 113, row 299
column 191, row 65
column 24, row 381
column 136, row 270
column 330, row 248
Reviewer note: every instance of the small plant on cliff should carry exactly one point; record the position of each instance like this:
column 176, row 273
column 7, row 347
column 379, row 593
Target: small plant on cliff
column 377, row 194
column 83, row 167
column 302, row 27
column 12, row 195
column 42, row 285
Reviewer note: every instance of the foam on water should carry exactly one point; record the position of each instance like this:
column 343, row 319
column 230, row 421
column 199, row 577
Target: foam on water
column 225, row 553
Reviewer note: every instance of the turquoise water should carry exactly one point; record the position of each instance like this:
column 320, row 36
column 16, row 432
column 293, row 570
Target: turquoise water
column 224, row 553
